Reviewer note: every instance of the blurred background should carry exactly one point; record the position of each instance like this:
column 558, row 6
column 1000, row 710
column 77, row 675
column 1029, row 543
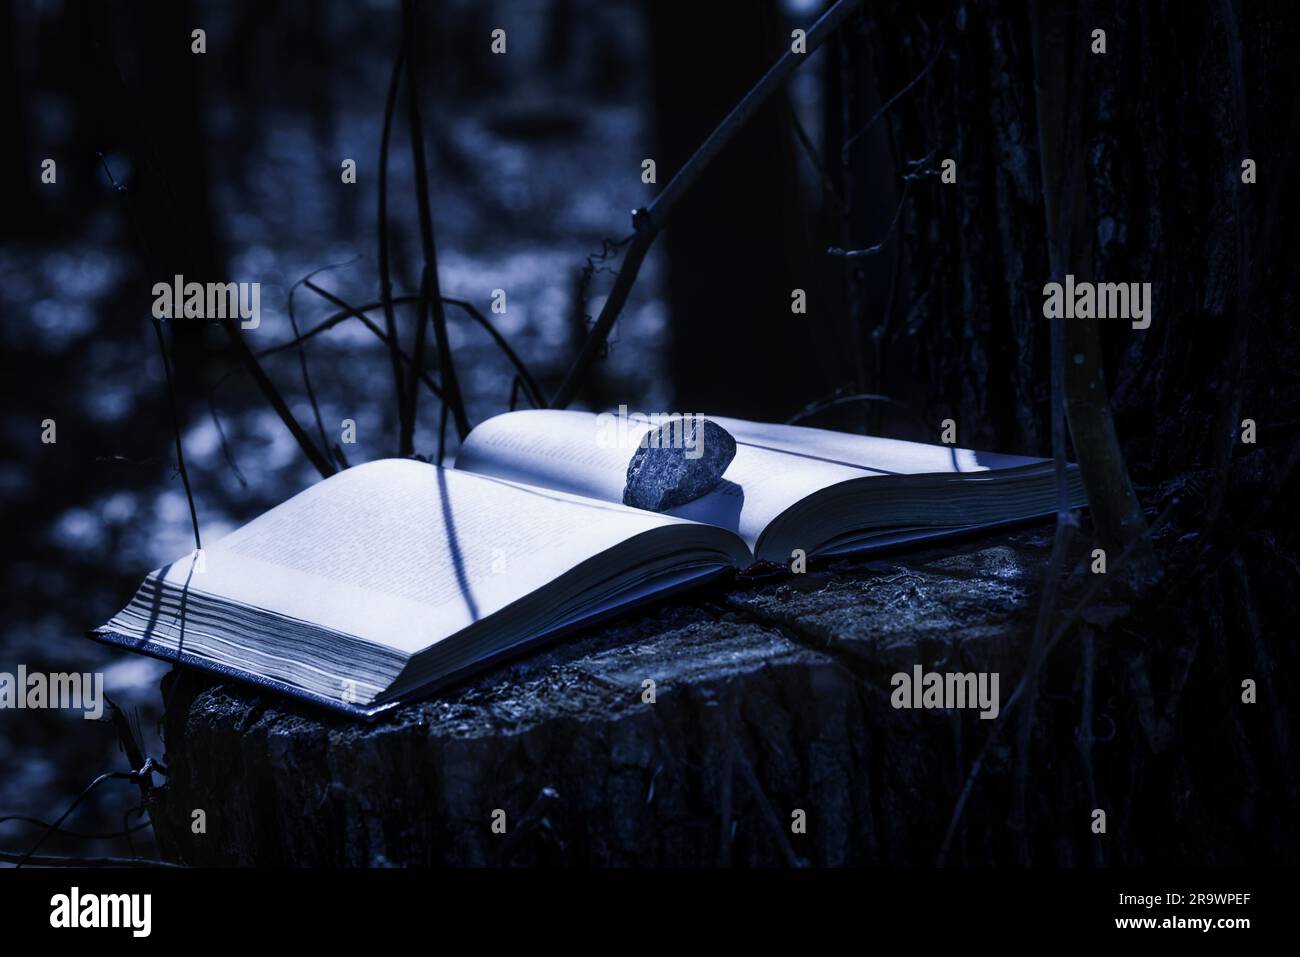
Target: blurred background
column 226, row 166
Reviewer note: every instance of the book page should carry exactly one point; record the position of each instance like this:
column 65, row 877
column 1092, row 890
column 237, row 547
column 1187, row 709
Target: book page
column 870, row 452
column 776, row 466
column 404, row 554
column 587, row 454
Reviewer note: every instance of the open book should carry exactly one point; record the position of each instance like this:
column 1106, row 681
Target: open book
column 393, row 578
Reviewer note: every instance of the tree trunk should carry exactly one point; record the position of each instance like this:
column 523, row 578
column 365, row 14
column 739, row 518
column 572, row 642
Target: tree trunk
column 738, row 245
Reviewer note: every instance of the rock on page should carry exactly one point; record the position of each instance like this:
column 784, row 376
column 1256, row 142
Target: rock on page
column 822, row 491
column 579, row 452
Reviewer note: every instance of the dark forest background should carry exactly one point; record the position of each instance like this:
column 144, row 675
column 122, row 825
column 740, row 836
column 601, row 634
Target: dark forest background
column 226, row 166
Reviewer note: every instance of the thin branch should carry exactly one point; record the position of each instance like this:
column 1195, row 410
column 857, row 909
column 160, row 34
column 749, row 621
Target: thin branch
column 102, row 836
column 855, row 279
column 810, row 149
column 839, row 398
column 225, row 444
column 594, row 344
column 1037, row 656
column 345, row 312
column 385, row 267
column 1225, row 432
column 242, row 351
column 317, row 458
column 130, row 744
column 771, row 81
column 525, row 377
column 1079, row 394
column 350, row 312
column 429, row 288
column 648, row 221
column 251, row 365
column 302, row 354
column 442, row 432
column 176, row 430
column 121, row 190
column 1084, row 739
column 1133, row 550
column 765, row 809
column 531, row 389
column 917, row 169
column 848, row 144
column 9, row 857
column 52, row 828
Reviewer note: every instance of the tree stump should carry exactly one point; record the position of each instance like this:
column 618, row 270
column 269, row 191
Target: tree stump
column 771, row 705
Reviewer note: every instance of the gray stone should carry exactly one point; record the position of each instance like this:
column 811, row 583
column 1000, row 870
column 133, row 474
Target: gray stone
column 663, row 474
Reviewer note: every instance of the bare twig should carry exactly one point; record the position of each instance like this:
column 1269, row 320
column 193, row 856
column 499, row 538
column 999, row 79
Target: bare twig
column 648, row 221
column 80, row 835
column 1037, row 656
column 533, row 817
column 594, row 344
column 350, row 312
column 385, row 267
column 848, row 144
column 596, row 264
column 765, row 809
column 9, row 857
column 317, row 458
column 242, row 352
column 855, row 279
column 143, row 778
column 134, row 776
column 1053, row 98
column 346, row 312
column 1134, row 550
column 1084, row 738
column 225, row 444
column 1225, row 430
column 521, row 370
column 442, row 431
column 814, row 157
column 302, row 357
column 176, row 430
column 429, row 288
column 1080, row 387
column 839, row 397
column 917, row 169
column 121, row 190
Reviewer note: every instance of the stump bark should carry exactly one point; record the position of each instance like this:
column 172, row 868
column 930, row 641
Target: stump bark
column 769, row 699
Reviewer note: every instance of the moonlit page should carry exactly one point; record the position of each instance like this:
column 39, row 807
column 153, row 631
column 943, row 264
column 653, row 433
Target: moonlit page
column 870, row 452
column 404, row 554
column 573, row 452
